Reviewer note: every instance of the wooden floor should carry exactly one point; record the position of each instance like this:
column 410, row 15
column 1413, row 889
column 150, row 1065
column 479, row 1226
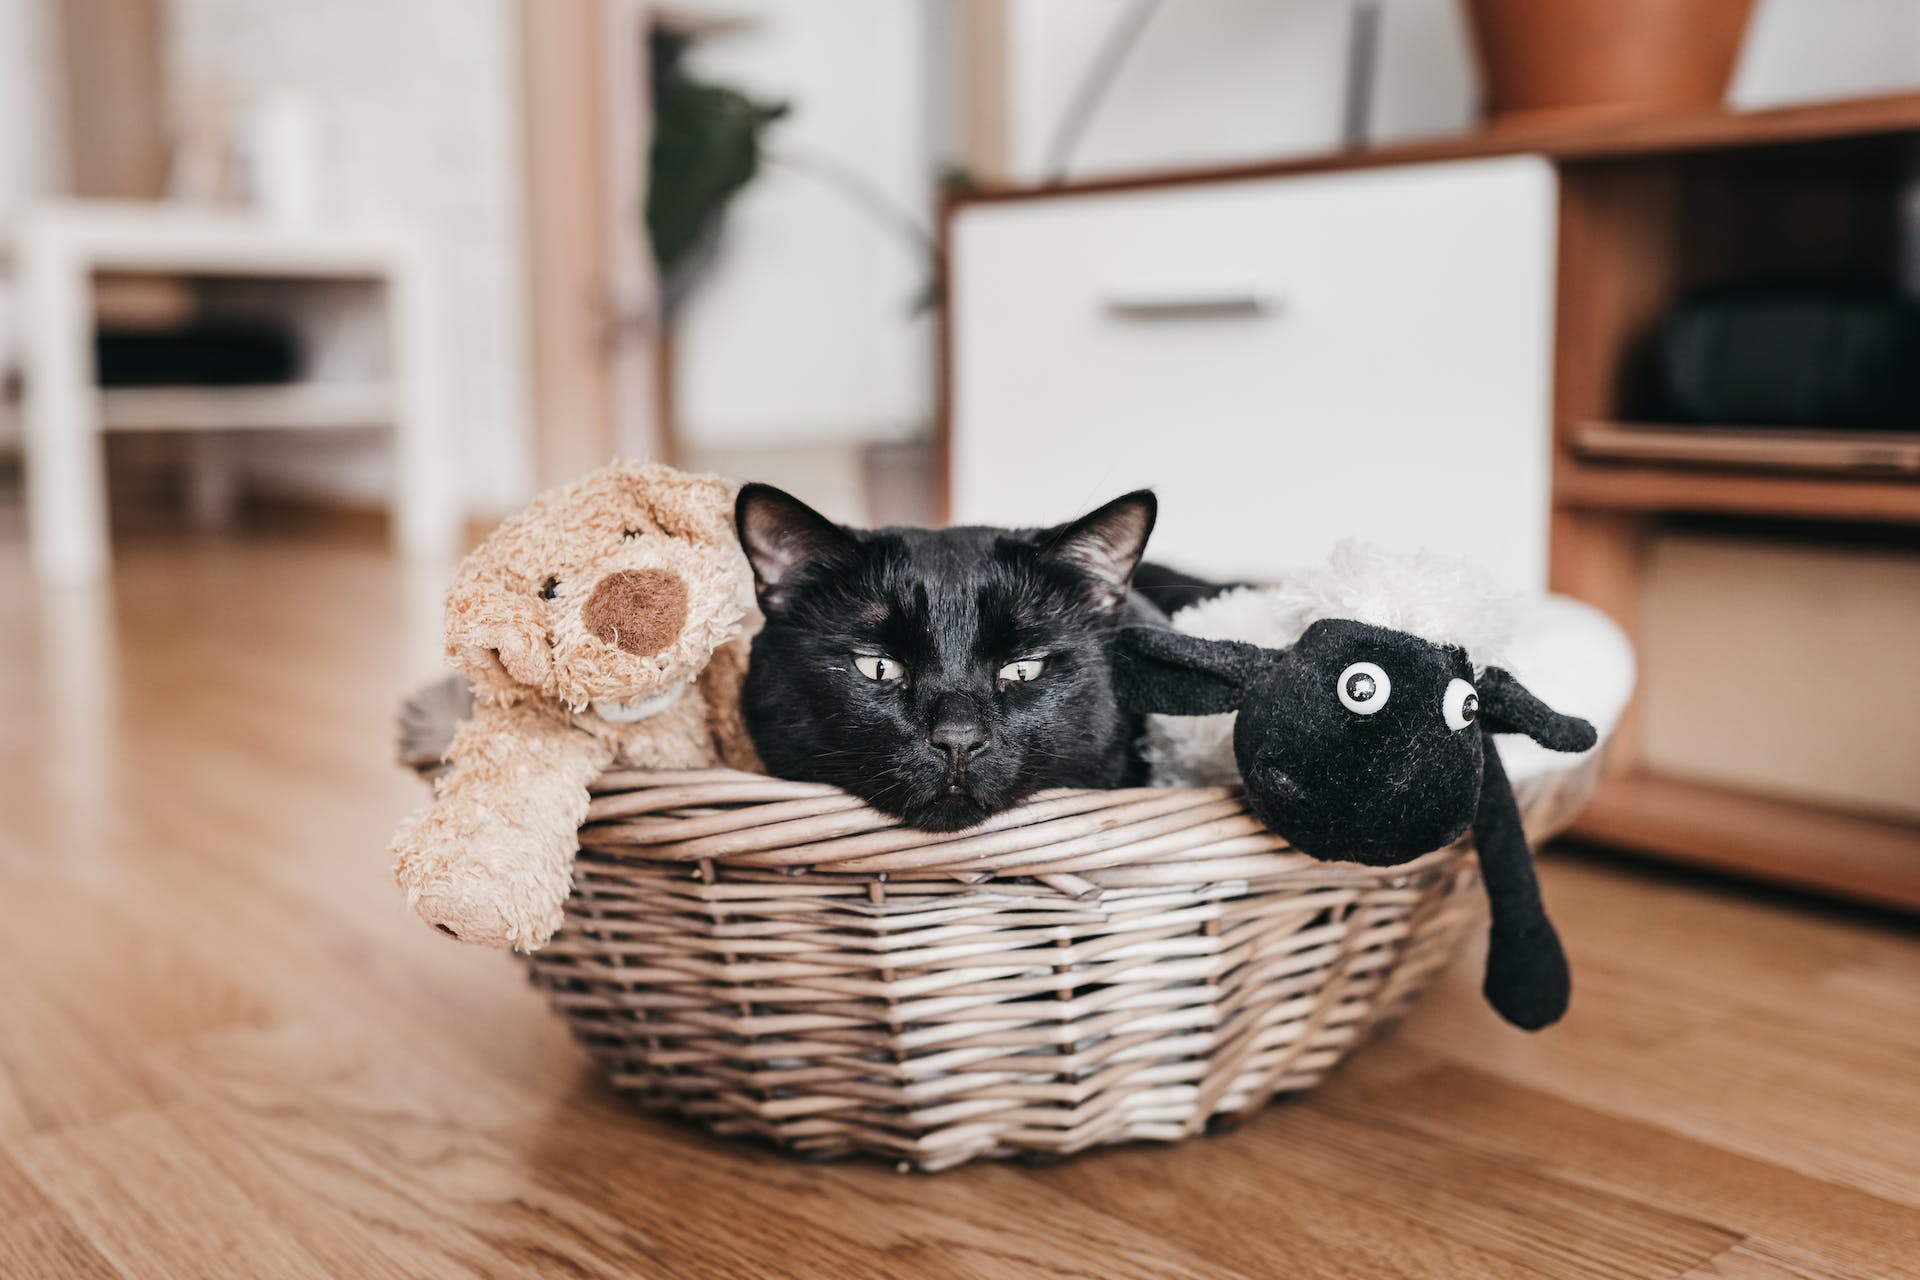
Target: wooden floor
column 227, row 1050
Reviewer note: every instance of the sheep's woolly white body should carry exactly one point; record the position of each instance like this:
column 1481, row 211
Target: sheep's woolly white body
column 1441, row 600
column 1436, row 598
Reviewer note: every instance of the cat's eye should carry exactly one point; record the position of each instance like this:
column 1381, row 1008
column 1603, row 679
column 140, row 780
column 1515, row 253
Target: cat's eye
column 1021, row 670
column 1460, row 705
column 1364, row 687
column 875, row 666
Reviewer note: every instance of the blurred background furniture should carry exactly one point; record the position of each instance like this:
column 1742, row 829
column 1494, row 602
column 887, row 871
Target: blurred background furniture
column 62, row 246
column 1295, row 365
column 293, row 162
column 1288, row 360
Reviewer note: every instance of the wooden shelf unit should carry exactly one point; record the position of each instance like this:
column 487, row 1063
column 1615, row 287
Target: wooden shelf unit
column 1814, row 194
column 1650, row 209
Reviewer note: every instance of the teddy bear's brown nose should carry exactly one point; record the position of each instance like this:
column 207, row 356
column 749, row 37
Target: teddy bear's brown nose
column 640, row 610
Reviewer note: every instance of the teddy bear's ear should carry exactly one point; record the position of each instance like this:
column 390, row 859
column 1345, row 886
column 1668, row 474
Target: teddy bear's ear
column 496, row 638
column 687, row 505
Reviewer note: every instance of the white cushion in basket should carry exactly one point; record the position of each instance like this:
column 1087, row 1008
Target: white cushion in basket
column 1576, row 660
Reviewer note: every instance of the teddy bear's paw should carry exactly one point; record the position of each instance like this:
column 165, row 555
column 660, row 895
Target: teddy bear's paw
column 490, row 892
column 486, row 919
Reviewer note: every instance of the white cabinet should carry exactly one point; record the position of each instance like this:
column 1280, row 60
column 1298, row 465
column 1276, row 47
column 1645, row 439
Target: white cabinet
column 1288, row 361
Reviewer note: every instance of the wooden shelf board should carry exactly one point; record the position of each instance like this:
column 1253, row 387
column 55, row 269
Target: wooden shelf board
column 1610, row 486
column 1847, row 855
column 293, row 406
column 1865, row 455
column 1562, row 141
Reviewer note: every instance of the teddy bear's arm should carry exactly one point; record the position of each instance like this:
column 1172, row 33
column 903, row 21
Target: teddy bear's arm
column 491, row 859
column 720, row 684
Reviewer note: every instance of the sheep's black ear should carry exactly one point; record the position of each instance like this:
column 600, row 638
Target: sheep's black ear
column 1167, row 673
column 781, row 536
column 1106, row 544
column 1507, row 707
column 1527, row 980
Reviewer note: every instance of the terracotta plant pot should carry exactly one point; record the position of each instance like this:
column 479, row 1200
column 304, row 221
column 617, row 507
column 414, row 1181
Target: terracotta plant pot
column 1606, row 57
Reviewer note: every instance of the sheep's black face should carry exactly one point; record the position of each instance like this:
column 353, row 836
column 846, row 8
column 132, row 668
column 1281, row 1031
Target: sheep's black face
column 1359, row 744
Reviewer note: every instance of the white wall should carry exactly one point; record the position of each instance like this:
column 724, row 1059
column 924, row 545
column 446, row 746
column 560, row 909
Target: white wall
column 422, row 105
column 1426, row 82
column 1213, row 81
column 1218, row 81
column 802, row 330
column 1805, row 50
column 1270, row 83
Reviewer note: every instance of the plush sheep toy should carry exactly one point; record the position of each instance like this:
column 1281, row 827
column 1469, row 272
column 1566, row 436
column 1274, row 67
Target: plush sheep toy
column 1365, row 733
column 602, row 625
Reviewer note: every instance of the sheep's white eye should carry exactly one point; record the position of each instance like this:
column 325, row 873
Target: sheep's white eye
column 1461, row 705
column 1023, row 669
column 876, row 666
column 1364, row 687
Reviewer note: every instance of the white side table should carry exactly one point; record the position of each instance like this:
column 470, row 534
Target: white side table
column 58, row 249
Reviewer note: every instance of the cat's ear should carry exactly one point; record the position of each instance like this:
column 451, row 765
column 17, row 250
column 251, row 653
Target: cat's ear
column 1106, row 544
column 782, row 536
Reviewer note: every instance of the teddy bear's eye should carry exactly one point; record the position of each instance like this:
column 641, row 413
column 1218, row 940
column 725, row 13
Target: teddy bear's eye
column 630, row 534
column 550, row 588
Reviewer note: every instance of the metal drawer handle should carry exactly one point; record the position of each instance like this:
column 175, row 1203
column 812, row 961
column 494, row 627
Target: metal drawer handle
column 1212, row 306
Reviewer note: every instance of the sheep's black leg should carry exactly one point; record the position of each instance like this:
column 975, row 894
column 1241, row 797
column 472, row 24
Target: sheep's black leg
column 1527, row 980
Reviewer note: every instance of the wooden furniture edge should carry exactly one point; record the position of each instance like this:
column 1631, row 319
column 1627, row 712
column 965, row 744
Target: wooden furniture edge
column 1654, row 488
column 1862, row 858
column 1623, row 138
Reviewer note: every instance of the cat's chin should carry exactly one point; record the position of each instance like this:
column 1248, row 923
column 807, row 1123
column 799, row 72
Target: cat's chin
column 945, row 811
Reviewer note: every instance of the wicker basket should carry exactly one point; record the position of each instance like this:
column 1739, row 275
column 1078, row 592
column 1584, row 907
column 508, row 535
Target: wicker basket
column 775, row 959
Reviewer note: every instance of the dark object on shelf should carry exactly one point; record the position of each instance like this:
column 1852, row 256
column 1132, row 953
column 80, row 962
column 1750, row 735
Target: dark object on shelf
column 200, row 355
column 1792, row 358
column 1606, row 57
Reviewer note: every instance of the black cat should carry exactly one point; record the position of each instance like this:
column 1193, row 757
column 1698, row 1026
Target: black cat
column 941, row 675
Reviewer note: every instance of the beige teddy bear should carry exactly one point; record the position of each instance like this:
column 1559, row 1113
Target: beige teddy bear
column 601, row 626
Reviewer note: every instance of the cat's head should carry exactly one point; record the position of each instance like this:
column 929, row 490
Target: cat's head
column 941, row 675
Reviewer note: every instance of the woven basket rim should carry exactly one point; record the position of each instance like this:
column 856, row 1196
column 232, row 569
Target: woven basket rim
column 725, row 817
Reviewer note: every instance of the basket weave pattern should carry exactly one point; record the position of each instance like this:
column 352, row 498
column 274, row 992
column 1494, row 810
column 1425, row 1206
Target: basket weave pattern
column 775, row 959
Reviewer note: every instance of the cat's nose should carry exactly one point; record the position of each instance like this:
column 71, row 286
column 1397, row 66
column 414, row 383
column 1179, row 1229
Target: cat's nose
column 957, row 728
